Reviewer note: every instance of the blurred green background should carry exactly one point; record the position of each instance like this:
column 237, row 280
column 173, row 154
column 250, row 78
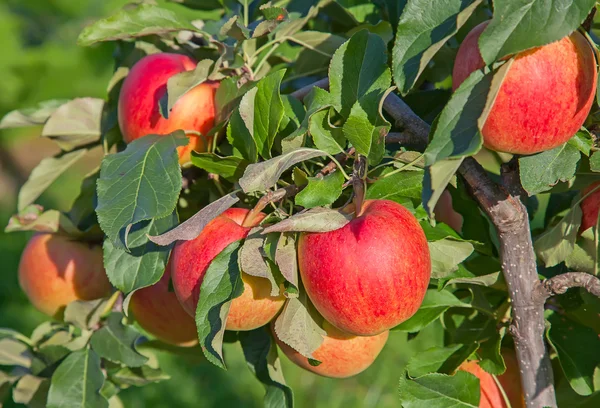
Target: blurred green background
column 41, row 61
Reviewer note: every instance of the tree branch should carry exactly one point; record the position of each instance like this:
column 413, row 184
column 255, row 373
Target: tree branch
column 559, row 284
column 511, row 221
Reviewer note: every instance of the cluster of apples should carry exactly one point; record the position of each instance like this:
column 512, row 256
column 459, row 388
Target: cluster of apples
column 364, row 278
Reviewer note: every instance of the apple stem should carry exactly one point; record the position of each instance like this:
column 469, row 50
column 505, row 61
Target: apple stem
column 359, row 176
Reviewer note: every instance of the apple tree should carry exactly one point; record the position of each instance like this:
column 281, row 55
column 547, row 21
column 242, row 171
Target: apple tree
column 307, row 178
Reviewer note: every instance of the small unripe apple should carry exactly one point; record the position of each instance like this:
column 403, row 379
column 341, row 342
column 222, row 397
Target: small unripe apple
column 55, row 270
column 159, row 312
column 371, row 274
column 491, row 394
column 544, row 98
column 145, row 85
column 589, row 207
column 191, row 259
column 341, row 354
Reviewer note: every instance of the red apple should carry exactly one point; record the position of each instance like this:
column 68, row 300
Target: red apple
column 159, row 312
column 55, row 270
column 445, row 212
column 142, row 89
column 371, row 274
column 589, row 207
column 491, row 394
column 190, row 260
column 341, row 355
column 545, row 97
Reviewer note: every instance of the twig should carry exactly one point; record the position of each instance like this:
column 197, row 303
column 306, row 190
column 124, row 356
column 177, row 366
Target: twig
column 358, row 183
column 559, row 284
column 270, row 197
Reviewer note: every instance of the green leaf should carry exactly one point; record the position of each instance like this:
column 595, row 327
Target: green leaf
column 260, row 352
column 241, row 127
column 75, row 123
column 230, row 168
column 84, row 313
column 425, row 26
column 116, row 342
column 396, row 187
column 220, row 285
column 264, row 175
column 321, row 191
column 595, row 161
column 316, row 101
column 317, row 219
column 359, row 78
column 193, row 226
column 367, row 130
column 139, row 183
column 511, row 31
column 434, row 304
column 491, row 357
column 458, row 391
column 15, row 353
column 46, row 173
column 33, row 116
column 318, row 42
column 328, row 138
column 139, row 376
column 539, row 172
column 359, row 73
column 583, row 141
column 180, row 84
column 253, row 258
column 233, row 28
column 144, row 263
column 135, row 22
column 297, row 328
column 268, row 112
column 443, row 360
column 32, row 391
column 286, row 257
column 34, row 218
column 578, row 362
column 447, row 254
column 558, row 241
column 77, row 381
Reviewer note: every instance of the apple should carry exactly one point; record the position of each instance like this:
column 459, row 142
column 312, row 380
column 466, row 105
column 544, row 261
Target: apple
column 491, row 394
column 341, row 355
column 371, row 274
column 589, row 207
column 544, row 98
column 142, row 89
column 190, row 260
column 159, row 312
column 445, row 212
column 55, row 270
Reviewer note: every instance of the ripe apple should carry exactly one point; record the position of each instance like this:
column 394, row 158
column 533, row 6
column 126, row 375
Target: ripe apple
column 190, row 260
column 55, row 270
column 159, row 312
column 545, row 97
column 341, row 355
column 589, row 207
column 371, row 274
column 491, row 394
column 142, row 89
